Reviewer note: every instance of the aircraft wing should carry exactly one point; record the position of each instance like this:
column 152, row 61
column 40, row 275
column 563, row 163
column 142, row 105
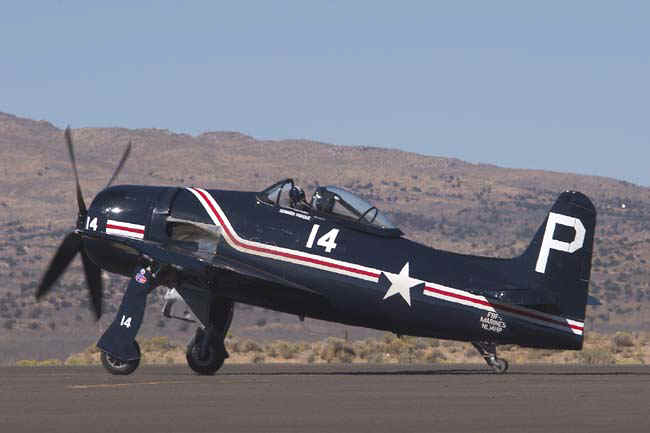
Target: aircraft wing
column 198, row 263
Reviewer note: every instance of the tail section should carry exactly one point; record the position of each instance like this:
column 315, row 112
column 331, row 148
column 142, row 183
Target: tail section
column 558, row 260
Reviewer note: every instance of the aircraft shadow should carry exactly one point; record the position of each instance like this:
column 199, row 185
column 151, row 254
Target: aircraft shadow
column 357, row 373
column 446, row 372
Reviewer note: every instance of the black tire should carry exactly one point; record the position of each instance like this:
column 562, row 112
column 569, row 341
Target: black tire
column 207, row 366
column 116, row 366
column 499, row 366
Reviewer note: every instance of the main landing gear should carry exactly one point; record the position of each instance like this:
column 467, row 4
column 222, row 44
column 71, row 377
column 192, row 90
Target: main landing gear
column 488, row 351
column 120, row 351
column 115, row 366
column 203, row 356
column 206, row 351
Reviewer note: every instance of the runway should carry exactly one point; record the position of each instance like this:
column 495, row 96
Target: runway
column 331, row 398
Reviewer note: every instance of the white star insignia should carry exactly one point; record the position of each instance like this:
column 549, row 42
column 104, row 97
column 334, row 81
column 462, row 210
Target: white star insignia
column 401, row 283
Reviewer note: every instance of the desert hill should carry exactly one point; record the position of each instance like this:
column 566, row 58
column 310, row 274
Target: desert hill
column 442, row 202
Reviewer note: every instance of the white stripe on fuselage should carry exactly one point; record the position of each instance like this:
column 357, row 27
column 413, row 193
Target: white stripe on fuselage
column 449, row 294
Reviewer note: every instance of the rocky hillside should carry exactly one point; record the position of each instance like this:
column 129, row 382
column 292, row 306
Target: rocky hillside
column 442, row 202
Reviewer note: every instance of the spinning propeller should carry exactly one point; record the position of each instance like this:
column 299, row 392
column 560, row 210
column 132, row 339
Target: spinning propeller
column 73, row 243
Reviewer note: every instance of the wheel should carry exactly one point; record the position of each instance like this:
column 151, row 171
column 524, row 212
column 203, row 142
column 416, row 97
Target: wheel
column 499, row 366
column 207, row 366
column 116, row 366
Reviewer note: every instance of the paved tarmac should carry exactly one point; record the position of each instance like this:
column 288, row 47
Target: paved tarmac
column 332, row 398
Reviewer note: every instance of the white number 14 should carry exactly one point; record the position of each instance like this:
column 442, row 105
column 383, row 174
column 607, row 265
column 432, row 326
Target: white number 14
column 126, row 322
column 91, row 224
column 327, row 241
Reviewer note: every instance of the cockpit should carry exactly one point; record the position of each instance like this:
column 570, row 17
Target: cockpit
column 331, row 202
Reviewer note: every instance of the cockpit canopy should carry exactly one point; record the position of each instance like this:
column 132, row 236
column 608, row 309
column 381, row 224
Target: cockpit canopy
column 328, row 200
column 338, row 201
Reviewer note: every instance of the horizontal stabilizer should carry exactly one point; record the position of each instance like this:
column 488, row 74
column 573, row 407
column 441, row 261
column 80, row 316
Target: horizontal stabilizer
column 592, row 300
column 522, row 297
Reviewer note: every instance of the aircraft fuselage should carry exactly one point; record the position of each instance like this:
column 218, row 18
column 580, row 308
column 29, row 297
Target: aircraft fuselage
column 326, row 268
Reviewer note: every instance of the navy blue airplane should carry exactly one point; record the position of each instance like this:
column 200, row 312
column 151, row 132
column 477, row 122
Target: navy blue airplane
column 334, row 257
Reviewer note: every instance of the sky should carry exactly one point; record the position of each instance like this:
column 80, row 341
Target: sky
column 554, row 85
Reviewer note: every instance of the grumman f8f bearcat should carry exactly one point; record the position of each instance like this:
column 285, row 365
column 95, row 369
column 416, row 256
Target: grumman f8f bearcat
column 334, row 257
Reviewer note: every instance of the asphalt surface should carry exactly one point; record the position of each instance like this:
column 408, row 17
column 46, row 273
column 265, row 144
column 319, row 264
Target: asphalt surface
column 333, row 398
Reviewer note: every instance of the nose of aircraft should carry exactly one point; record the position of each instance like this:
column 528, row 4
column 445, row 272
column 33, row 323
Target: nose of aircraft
column 122, row 204
column 123, row 211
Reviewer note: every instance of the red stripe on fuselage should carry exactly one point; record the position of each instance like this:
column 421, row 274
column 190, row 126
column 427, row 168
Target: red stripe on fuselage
column 501, row 307
column 323, row 262
column 126, row 229
column 282, row 253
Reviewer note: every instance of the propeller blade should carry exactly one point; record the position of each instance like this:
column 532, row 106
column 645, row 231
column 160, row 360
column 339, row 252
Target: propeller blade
column 94, row 283
column 67, row 250
column 125, row 156
column 80, row 198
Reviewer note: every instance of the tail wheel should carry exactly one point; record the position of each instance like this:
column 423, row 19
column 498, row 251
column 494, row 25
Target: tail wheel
column 488, row 350
column 206, row 366
column 499, row 365
column 119, row 367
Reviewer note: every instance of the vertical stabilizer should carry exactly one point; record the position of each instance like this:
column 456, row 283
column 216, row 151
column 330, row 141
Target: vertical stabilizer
column 559, row 257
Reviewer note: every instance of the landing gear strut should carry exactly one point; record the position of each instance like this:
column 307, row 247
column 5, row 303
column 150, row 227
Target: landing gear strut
column 488, row 351
column 206, row 352
column 120, row 352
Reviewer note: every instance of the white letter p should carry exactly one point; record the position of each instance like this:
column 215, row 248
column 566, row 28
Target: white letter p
column 549, row 243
